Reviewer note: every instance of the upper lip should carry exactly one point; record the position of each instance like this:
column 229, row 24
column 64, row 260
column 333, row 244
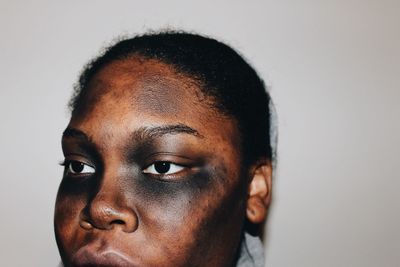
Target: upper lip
column 89, row 255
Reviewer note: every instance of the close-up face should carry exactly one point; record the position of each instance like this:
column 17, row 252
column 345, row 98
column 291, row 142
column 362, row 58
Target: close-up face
column 152, row 175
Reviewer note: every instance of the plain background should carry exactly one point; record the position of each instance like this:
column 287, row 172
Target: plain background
column 333, row 71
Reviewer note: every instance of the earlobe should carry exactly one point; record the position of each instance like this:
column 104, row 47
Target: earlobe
column 259, row 193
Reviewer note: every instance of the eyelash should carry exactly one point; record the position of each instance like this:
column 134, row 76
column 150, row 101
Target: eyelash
column 163, row 168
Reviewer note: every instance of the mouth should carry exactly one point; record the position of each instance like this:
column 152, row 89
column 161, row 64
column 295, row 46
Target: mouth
column 90, row 256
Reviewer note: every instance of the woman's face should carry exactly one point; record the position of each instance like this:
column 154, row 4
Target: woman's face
column 152, row 174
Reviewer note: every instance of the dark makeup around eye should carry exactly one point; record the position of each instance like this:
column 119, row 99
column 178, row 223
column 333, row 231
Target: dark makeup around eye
column 181, row 149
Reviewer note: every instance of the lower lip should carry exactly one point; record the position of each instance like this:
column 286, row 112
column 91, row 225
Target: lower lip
column 86, row 257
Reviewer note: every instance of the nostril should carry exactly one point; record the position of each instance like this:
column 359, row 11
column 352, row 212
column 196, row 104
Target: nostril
column 118, row 222
column 128, row 224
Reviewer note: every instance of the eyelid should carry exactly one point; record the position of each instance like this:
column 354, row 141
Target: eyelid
column 168, row 157
column 77, row 157
column 65, row 162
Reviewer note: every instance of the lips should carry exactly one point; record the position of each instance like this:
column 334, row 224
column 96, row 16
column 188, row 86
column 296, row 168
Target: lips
column 90, row 255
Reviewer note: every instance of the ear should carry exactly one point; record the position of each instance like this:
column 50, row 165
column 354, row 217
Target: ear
column 259, row 192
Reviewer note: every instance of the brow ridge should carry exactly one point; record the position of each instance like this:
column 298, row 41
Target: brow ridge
column 158, row 131
column 73, row 132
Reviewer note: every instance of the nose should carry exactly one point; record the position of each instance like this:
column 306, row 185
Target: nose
column 109, row 209
column 103, row 216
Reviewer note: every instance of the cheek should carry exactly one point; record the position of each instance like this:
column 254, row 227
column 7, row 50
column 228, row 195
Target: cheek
column 66, row 217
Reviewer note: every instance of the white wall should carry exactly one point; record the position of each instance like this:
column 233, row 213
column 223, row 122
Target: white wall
column 333, row 70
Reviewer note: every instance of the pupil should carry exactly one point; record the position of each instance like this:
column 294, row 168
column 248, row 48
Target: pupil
column 77, row 166
column 162, row 166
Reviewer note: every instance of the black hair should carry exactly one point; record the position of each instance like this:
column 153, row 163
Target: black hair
column 224, row 75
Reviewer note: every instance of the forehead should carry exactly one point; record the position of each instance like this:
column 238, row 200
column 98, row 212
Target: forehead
column 143, row 92
column 144, row 84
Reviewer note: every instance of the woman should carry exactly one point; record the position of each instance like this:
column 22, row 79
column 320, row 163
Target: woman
column 167, row 157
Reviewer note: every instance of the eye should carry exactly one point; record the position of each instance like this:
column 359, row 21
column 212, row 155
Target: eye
column 163, row 167
column 77, row 167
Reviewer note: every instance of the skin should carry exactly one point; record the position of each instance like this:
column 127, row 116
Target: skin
column 114, row 209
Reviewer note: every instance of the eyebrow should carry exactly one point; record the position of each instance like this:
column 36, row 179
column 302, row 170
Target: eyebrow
column 73, row 132
column 141, row 133
column 158, row 131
